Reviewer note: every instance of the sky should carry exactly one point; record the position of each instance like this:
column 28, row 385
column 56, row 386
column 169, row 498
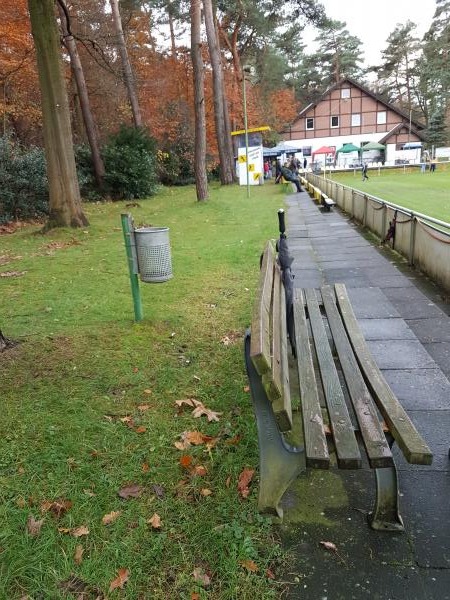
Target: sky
column 373, row 21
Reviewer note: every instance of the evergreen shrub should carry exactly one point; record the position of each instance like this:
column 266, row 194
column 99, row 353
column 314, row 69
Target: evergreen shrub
column 23, row 182
column 130, row 164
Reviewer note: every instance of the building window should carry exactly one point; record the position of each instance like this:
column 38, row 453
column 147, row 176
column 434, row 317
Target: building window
column 310, row 123
column 345, row 93
column 306, row 150
column 356, row 119
column 334, row 121
column 381, row 117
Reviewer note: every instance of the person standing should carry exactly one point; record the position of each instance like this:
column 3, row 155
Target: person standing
column 364, row 172
column 433, row 165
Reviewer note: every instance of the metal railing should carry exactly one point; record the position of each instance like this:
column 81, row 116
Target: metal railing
column 423, row 240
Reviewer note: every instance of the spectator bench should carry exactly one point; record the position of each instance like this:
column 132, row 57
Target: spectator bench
column 319, row 196
column 288, row 186
column 331, row 386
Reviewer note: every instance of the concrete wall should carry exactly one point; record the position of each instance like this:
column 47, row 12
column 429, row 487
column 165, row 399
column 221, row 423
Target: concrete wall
column 424, row 241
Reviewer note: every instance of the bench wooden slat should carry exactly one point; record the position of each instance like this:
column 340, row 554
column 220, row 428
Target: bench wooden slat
column 260, row 339
column 347, row 450
column 400, row 425
column 377, row 447
column 281, row 399
column 316, row 449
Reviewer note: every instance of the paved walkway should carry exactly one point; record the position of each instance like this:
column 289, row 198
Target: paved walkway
column 404, row 320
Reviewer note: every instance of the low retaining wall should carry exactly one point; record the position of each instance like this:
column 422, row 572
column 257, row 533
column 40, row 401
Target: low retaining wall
column 424, row 241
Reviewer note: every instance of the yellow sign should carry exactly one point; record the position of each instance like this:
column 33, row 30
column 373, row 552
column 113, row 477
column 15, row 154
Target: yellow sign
column 251, row 167
column 251, row 130
column 256, row 176
column 242, row 158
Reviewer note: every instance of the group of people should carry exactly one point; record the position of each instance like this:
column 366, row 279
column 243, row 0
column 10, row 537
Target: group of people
column 289, row 170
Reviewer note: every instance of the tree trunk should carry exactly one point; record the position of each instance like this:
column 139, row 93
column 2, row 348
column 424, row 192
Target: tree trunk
column 65, row 202
column 126, row 65
column 88, row 119
column 226, row 171
column 171, row 29
column 201, row 180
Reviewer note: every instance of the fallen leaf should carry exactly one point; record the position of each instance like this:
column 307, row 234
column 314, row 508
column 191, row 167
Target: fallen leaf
column 130, row 491
column 159, row 491
column 126, row 419
column 141, row 429
column 205, row 492
column 58, row 507
column 143, row 407
column 120, row 580
column 21, row 470
column 21, row 502
column 79, row 531
column 89, row 493
column 270, row 574
column 246, row 389
column 211, row 415
column 148, row 392
column 244, row 480
column 78, row 556
column 145, row 467
column 195, row 438
column 33, row 526
column 329, row 546
column 199, row 470
column 111, row 517
column 201, row 577
column 185, row 461
column 195, row 596
column 250, row 565
column 155, row 521
column 333, row 548
column 234, row 441
column 228, row 481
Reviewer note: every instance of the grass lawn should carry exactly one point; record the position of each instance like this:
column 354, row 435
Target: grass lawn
column 427, row 193
column 89, row 408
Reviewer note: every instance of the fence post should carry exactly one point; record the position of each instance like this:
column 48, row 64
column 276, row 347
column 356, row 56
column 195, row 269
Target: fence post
column 412, row 240
column 353, row 203
column 366, row 202
column 383, row 227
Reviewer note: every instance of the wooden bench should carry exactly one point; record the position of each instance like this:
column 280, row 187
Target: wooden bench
column 332, row 387
column 288, row 186
column 326, row 202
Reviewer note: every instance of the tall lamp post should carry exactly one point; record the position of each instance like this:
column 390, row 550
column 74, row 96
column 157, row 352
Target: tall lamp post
column 246, row 69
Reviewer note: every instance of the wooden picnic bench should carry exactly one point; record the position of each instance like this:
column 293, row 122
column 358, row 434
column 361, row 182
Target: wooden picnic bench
column 330, row 383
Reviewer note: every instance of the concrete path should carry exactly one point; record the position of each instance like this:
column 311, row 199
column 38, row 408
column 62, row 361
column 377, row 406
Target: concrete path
column 403, row 317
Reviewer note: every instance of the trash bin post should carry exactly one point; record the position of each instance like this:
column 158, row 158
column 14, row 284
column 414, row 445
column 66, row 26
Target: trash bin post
column 128, row 234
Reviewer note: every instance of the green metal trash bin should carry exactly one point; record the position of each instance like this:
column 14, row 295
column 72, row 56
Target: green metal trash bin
column 153, row 254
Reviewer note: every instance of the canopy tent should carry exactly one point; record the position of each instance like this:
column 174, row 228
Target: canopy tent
column 281, row 148
column 324, row 150
column 347, row 148
column 373, row 146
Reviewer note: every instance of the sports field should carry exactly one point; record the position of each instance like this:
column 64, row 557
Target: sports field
column 426, row 193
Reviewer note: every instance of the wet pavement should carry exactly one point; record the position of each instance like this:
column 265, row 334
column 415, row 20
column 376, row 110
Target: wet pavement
column 405, row 320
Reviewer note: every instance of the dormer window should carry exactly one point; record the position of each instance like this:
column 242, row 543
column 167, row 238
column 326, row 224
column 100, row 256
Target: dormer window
column 345, row 93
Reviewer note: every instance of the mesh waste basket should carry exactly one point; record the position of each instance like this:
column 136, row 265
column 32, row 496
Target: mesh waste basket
column 153, row 254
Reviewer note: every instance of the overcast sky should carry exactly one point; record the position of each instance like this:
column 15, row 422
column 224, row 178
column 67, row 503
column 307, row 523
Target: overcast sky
column 373, row 21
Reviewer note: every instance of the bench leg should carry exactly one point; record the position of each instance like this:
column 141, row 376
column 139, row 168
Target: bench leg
column 386, row 515
column 279, row 463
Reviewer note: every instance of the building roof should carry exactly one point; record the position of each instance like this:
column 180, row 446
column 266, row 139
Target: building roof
column 396, row 129
column 367, row 91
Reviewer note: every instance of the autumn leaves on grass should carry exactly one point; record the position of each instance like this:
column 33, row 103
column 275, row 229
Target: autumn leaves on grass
column 193, row 468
